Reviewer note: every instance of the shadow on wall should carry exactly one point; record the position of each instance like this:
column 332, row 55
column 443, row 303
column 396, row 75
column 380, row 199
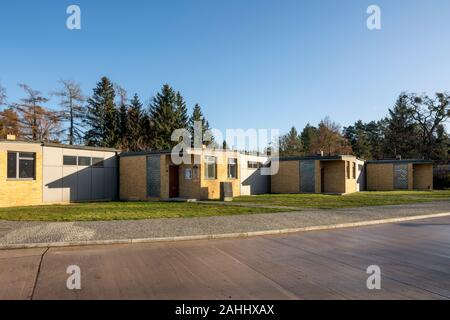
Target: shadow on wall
column 87, row 184
column 258, row 183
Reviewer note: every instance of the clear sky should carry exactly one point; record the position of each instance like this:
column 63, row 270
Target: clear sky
column 249, row 63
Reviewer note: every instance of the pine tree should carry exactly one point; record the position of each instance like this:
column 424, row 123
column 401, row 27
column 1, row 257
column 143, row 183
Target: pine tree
column 134, row 120
column 9, row 123
column 102, row 116
column 167, row 113
column 291, row 143
column 307, row 135
column 197, row 116
column 402, row 135
column 359, row 140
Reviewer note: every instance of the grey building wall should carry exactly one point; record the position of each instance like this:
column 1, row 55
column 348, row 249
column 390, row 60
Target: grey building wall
column 65, row 183
column 252, row 182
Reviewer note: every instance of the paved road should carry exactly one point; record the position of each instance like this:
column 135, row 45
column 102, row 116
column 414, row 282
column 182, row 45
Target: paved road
column 414, row 258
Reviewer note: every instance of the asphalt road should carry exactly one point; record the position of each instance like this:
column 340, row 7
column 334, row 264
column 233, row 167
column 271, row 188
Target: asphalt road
column 414, row 259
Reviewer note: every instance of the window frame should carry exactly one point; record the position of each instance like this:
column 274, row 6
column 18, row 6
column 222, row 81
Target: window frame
column 99, row 164
column 208, row 162
column 84, row 165
column 17, row 165
column 235, row 164
column 70, row 156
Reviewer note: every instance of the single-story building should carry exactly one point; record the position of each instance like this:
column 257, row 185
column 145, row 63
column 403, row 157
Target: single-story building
column 319, row 174
column 387, row 175
column 152, row 175
column 33, row 173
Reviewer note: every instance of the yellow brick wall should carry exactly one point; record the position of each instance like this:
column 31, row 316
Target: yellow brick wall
column 20, row 193
column 423, row 176
column 210, row 189
column 287, row 180
column 133, row 178
column 380, row 177
column 334, row 176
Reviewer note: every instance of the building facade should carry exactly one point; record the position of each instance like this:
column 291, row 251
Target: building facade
column 388, row 175
column 36, row 173
column 154, row 176
column 330, row 175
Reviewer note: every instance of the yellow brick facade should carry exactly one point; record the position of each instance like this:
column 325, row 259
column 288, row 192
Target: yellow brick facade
column 133, row 178
column 380, row 176
column 20, row 192
column 287, row 180
column 423, row 176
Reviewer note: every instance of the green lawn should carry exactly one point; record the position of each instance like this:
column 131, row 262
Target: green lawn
column 102, row 211
column 361, row 199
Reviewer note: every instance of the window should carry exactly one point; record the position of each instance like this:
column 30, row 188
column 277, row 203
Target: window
column 84, row 161
column 98, row 162
column 254, row 165
column 348, row 169
column 232, row 168
column 210, row 167
column 21, row 165
column 354, row 170
column 69, row 160
column 188, row 174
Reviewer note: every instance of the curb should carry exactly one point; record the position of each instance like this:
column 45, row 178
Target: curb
column 222, row 236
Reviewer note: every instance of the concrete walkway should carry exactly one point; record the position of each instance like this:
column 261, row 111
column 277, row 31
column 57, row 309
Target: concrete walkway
column 23, row 234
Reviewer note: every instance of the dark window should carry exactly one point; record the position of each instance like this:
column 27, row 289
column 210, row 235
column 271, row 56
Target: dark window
column 210, row 167
column 21, row 165
column 98, row 162
column 254, row 165
column 354, row 170
column 70, row 160
column 12, row 165
column 348, row 169
column 84, row 161
column 232, row 168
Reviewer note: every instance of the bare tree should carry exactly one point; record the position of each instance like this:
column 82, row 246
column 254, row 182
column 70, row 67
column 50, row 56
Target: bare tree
column 329, row 140
column 73, row 109
column 429, row 113
column 37, row 122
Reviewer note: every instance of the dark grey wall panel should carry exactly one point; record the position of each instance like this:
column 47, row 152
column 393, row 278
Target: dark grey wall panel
column 85, row 184
column 98, row 183
column 153, row 176
column 401, row 176
column 307, row 176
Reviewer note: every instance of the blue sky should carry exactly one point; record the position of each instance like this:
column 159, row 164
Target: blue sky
column 249, row 63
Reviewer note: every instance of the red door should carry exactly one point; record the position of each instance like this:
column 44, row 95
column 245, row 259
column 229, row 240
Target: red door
column 174, row 191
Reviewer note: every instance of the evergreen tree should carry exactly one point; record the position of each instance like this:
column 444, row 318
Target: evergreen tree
column 197, row 116
column 402, row 133
column 134, row 120
column 167, row 113
column 359, row 140
column 102, row 118
column 291, row 144
column 307, row 135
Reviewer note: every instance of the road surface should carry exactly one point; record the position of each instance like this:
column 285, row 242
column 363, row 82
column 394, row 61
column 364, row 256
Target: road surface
column 414, row 259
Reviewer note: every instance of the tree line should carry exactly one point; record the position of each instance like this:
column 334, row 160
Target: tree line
column 108, row 118
column 413, row 128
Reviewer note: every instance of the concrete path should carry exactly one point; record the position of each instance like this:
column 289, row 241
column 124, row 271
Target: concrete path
column 23, row 233
column 414, row 259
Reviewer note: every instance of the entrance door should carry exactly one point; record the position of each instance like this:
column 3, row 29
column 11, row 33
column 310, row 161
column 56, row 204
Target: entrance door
column 173, row 182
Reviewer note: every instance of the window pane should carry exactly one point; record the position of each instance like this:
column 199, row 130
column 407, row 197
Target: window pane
column 26, row 155
column 97, row 162
column 232, row 168
column 70, row 160
column 26, row 169
column 84, row 161
column 12, row 165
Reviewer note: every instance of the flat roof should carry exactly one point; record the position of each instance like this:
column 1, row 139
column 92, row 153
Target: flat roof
column 323, row 158
column 400, row 161
column 61, row 145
